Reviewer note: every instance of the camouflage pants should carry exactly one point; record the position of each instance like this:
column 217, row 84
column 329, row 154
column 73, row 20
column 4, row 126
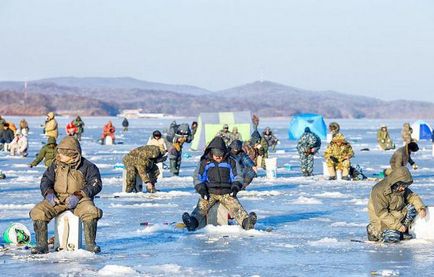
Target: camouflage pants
column 175, row 165
column 132, row 173
column 342, row 165
column 85, row 210
column 306, row 162
column 234, row 207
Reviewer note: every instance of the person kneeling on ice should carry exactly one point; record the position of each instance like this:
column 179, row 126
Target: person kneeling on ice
column 217, row 180
column 392, row 207
column 337, row 156
column 143, row 161
column 70, row 183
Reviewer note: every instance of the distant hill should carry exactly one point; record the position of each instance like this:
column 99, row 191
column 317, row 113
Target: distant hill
column 108, row 96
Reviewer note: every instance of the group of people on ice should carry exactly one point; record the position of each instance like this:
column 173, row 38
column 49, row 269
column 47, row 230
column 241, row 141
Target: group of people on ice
column 227, row 166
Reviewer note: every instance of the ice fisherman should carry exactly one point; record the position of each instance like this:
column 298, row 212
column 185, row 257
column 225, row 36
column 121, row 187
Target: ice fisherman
column 225, row 134
column 337, row 156
column 7, row 136
column 50, row 126
column 334, row 128
column 383, row 139
column 235, row 135
column 392, row 207
column 143, row 161
column 80, row 127
column 158, row 141
column 406, row 133
column 24, row 127
column 308, row 145
column 270, row 138
column 70, row 183
column 246, row 165
column 178, row 135
column 125, row 124
column 108, row 131
column 47, row 153
column 261, row 148
column 19, row 145
column 71, row 129
column 217, row 180
column 402, row 157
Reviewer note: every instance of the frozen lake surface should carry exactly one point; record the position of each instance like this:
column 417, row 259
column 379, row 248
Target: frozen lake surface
column 313, row 221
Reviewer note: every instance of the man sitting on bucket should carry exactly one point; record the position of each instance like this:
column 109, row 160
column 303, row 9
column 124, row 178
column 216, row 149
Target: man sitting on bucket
column 217, row 180
column 69, row 183
column 392, row 207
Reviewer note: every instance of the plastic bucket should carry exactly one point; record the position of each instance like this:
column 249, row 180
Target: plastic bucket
column 17, row 234
column 271, row 167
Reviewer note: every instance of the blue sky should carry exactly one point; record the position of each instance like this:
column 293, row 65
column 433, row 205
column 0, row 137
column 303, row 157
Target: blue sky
column 376, row 48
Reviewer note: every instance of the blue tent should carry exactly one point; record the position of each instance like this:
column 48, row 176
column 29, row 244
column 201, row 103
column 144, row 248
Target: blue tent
column 421, row 130
column 300, row 121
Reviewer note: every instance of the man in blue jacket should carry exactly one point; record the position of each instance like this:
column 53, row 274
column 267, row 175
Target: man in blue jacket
column 217, row 180
column 70, row 183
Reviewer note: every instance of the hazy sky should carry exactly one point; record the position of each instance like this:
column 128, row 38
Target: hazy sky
column 381, row 48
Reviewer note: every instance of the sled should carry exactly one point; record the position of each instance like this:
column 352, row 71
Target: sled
column 423, row 228
column 68, row 229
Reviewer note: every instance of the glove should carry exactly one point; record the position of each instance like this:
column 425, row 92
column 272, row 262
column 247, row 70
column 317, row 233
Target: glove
column 415, row 166
column 203, row 191
column 235, row 188
column 73, row 199
column 51, row 198
column 334, row 159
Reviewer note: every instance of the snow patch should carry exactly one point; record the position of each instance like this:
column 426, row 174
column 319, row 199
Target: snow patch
column 16, row 207
column 347, row 224
column 335, row 194
column 307, row 201
column 117, row 270
column 143, row 205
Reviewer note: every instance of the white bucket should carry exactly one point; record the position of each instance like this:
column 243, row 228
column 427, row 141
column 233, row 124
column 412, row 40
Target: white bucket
column 422, row 228
column 108, row 140
column 160, row 168
column 68, row 232
column 325, row 171
column 271, row 167
column 338, row 174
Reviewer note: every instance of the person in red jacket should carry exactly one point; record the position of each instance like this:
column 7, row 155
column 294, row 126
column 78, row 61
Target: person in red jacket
column 71, row 129
column 109, row 130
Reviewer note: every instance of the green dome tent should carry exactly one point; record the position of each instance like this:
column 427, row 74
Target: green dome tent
column 209, row 124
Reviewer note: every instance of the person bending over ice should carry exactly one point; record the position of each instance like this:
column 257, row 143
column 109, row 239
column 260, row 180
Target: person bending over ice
column 392, row 207
column 217, row 180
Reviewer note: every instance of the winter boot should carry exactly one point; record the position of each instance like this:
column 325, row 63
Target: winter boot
column 250, row 221
column 332, row 178
column 190, row 222
column 346, row 178
column 41, row 233
column 406, row 236
column 90, row 228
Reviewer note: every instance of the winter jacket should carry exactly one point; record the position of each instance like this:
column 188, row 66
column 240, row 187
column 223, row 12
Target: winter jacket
column 384, row 140
column 65, row 179
column 308, row 144
column 387, row 208
column 245, row 167
column 19, row 145
column 125, row 123
column 144, row 159
column 269, row 137
column 71, row 129
column 401, row 157
column 226, row 136
column 406, row 133
column 340, row 152
column 217, row 177
column 47, row 153
column 7, row 136
column 160, row 143
column 109, row 130
column 51, row 126
column 79, row 124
